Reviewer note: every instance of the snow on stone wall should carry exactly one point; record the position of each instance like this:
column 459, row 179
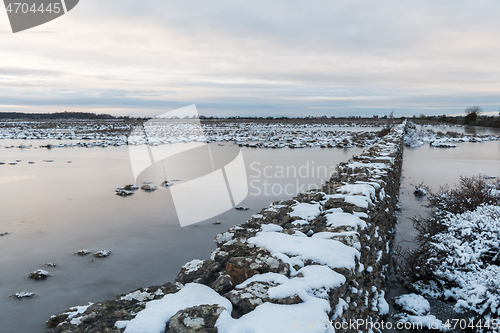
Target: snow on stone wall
column 309, row 262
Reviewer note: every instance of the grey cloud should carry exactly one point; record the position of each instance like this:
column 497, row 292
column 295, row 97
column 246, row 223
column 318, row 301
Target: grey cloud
column 274, row 56
column 13, row 71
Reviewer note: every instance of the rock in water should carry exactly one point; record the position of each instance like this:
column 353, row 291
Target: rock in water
column 123, row 192
column 39, row 274
column 149, row 187
column 167, row 183
column 420, row 192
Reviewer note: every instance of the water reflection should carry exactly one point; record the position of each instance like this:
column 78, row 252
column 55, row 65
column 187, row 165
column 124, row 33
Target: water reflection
column 53, row 209
column 437, row 167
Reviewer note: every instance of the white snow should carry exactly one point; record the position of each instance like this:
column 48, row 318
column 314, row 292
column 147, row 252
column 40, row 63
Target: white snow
column 300, row 222
column 416, row 138
column 306, row 211
column 462, row 249
column 278, row 318
column 271, row 228
column 23, row 294
column 383, row 306
column 193, row 265
column 427, row 321
column 75, row 311
column 338, row 219
column 413, row 304
column 141, row 296
column 328, row 252
column 312, row 288
column 158, row 312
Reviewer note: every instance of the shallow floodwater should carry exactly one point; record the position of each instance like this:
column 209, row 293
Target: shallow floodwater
column 477, row 130
column 52, row 209
column 437, row 167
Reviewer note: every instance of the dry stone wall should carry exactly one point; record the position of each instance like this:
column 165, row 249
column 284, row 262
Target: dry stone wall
column 316, row 262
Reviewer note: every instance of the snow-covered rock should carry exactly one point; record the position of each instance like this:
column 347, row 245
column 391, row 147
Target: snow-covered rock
column 413, row 304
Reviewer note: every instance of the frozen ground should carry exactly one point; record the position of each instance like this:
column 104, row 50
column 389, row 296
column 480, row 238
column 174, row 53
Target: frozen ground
column 417, row 138
column 250, row 133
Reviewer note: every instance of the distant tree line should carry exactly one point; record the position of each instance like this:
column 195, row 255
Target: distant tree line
column 56, row 115
column 473, row 117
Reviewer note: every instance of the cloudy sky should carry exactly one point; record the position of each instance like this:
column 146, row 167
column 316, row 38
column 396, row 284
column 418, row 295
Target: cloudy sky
column 256, row 58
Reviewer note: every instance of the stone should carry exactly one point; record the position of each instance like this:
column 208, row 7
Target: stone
column 204, row 272
column 239, row 274
column 223, row 284
column 123, row 192
column 149, row 187
column 246, row 299
column 196, row 319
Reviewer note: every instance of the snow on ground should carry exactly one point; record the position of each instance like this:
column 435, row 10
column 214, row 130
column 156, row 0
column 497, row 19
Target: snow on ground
column 417, row 138
column 255, row 134
column 468, row 257
column 428, row 321
column 413, row 304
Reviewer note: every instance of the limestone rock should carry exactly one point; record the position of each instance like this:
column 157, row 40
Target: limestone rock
column 204, row 272
column 223, row 284
column 197, row 319
column 246, row 299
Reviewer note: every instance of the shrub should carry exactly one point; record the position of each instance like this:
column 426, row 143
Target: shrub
column 469, row 194
column 471, row 114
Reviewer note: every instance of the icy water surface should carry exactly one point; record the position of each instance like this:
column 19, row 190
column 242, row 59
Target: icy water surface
column 52, row 209
column 437, row 167
column 477, row 130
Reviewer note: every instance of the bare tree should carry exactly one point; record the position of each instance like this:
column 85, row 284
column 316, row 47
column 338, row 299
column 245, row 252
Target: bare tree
column 471, row 113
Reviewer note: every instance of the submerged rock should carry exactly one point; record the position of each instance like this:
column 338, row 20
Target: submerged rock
column 149, row 187
column 420, row 192
column 123, row 192
column 23, row 294
column 441, row 144
column 83, row 252
column 39, row 274
column 131, row 187
column 102, row 254
column 167, row 183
